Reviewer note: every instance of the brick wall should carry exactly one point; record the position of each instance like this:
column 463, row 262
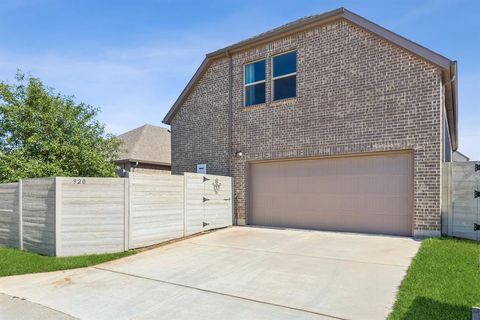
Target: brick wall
column 199, row 131
column 355, row 93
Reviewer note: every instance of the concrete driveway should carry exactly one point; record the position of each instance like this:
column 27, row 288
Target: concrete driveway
column 235, row 273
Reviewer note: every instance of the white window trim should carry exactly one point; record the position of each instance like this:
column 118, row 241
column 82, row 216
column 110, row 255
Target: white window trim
column 283, row 75
column 253, row 83
column 245, row 85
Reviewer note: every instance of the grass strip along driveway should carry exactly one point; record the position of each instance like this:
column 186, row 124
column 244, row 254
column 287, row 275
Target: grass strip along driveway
column 14, row 261
column 443, row 281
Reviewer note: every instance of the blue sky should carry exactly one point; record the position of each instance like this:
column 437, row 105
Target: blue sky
column 133, row 58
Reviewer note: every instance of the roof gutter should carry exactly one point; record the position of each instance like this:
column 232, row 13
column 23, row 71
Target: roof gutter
column 118, row 161
column 448, row 67
column 255, row 41
column 168, row 118
column 452, row 107
column 281, row 32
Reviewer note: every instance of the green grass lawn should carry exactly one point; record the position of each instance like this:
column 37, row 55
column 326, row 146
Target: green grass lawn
column 443, row 281
column 14, row 261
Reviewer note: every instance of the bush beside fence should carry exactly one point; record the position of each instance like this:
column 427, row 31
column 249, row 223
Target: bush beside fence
column 71, row 216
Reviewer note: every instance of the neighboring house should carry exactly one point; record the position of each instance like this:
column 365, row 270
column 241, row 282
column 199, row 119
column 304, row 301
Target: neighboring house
column 330, row 122
column 457, row 156
column 145, row 150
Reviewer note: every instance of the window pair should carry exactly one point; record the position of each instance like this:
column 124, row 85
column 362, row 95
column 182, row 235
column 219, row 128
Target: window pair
column 284, row 78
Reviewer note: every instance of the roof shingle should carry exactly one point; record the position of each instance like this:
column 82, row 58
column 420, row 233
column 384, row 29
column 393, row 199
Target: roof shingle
column 147, row 144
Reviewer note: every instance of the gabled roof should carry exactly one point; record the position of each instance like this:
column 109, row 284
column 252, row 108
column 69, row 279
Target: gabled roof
column 448, row 67
column 146, row 144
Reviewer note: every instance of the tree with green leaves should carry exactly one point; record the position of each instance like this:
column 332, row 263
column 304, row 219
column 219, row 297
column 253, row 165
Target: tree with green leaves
column 44, row 133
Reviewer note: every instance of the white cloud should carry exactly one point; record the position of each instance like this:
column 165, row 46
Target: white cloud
column 134, row 85
column 130, row 87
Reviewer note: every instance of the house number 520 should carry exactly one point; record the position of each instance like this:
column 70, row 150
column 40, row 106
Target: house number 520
column 79, row 181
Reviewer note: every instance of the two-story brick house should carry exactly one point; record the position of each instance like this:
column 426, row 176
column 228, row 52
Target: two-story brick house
column 330, row 122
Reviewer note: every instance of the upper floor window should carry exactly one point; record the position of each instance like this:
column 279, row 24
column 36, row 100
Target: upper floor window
column 284, row 75
column 255, row 83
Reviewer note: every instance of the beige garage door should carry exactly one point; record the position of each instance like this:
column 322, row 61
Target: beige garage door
column 372, row 194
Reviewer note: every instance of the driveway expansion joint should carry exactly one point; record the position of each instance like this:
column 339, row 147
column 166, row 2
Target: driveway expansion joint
column 40, row 305
column 302, row 255
column 222, row 294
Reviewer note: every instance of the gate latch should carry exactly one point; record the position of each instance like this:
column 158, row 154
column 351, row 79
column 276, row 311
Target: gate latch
column 476, row 227
column 477, row 167
column 476, row 194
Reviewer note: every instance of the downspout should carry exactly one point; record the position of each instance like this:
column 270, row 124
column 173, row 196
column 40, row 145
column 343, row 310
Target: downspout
column 452, row 78
column 230, row 112
column 454, row 70
column 230, row 129
column 445, row 225
column 452, row 86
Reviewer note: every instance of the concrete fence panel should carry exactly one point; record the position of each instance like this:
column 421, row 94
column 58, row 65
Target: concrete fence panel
column 38, row 215
column 460, row 201
column 91, row 215
column 80, row 215
column 9, row 215
column 208, row 202
column 156, row 209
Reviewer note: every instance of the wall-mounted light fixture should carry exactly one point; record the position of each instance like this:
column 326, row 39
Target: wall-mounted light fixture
column 238, row 154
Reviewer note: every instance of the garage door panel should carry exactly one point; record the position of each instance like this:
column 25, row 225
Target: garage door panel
column 364, row 194
column 343, row 222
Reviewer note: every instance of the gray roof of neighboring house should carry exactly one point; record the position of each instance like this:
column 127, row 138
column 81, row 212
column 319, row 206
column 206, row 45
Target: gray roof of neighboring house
column 146, row 144
column 448, row 67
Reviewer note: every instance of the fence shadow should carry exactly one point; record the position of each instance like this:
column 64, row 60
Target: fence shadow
column 426, row 308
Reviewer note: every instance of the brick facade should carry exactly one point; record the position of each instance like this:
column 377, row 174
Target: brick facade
column 356, row 93
column 199, row 132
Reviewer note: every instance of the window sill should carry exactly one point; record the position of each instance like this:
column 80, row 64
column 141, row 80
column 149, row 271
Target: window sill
column 284, row 102
column 277, row 103
column 254, row 106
